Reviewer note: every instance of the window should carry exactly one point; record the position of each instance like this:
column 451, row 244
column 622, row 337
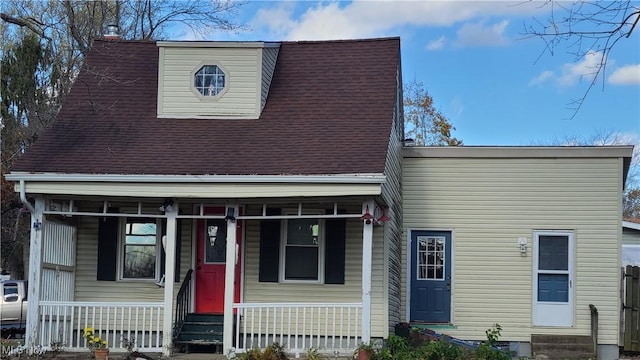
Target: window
column 216, row 242
column 431, row 257
column 10, row 292
column 553, row 267
column 302, row 250
column 139, row 249
column 112, row 243
column 210, row 80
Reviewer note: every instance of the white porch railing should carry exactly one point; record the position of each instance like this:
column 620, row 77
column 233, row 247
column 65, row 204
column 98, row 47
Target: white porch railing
column 327, row 327
column 63, row 323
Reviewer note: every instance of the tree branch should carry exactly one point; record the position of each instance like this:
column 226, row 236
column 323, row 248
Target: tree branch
column 24, row 23
column 73, row 28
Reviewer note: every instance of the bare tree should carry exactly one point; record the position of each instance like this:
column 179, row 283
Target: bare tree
column 586, row 28
column 42, row 48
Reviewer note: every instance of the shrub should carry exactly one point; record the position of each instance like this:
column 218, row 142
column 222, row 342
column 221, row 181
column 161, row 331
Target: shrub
column 487, row 350
column 274, row 351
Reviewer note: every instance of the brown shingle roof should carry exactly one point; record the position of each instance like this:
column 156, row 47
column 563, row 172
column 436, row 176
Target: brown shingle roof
column 329, row 111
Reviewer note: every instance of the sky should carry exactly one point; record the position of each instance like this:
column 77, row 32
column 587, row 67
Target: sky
column 497, row 85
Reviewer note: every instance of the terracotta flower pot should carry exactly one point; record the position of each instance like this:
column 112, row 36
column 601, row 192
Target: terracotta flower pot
column 364, row 354
column 101, row 354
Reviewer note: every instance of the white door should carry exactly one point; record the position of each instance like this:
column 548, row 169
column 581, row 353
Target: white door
column 553, row 265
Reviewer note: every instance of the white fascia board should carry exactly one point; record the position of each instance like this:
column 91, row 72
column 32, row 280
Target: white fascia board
column 631, row 225
column 618, row 151
column 213, row 179
column 214, row 44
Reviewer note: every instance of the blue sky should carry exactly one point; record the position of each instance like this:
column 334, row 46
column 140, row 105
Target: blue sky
column 473, row 58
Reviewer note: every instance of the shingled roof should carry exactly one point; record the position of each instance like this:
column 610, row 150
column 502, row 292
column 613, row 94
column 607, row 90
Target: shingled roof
column 329, row 111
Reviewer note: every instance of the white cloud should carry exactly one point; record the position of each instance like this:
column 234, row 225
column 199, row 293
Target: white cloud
column 585, row 69
column 457, row 105
column 477, row 34
column 279, row 19
column 339, row 20
column 542, row 78
column 626, row 75
column 436, row 44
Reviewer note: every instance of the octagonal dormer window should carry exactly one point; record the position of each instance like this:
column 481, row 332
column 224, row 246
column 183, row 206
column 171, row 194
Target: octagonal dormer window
column 210, row 81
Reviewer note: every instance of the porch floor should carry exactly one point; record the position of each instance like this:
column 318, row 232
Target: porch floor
column 198, row 356
column 122, row 356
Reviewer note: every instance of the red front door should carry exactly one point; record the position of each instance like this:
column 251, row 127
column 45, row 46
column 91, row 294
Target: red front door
column 211, row 256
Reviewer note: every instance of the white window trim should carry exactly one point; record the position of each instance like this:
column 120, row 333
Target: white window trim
column 121, row 239
column 221, row 93
column 283, row 245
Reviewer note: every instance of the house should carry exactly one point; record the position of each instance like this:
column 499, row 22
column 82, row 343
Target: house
column 526, row 237
column 262, row 190
column 631, row 242
column 224, row 178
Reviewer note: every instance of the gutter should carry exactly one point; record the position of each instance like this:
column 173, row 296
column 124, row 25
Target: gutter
column 323, row 179
column 23, row 198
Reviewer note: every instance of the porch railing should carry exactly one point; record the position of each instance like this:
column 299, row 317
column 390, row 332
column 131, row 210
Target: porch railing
column 62, row 323
column 327, row 327
column 183, row 299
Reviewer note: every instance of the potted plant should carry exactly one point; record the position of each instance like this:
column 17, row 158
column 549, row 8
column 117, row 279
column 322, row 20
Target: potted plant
column 364, row 351
column 97, row 346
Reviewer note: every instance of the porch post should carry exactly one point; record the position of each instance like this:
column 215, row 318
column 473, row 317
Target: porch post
column 367, row 243
column 231, row 212
column 35, row 273
column 169, row 277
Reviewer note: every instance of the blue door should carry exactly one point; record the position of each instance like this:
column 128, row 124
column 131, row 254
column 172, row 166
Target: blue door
column 430, row 276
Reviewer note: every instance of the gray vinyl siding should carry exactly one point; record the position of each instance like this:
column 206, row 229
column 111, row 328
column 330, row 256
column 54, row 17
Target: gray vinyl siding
column 89, row 289
column 630, row 236
column 269, row 59
column 488, row 203
column 392, row 195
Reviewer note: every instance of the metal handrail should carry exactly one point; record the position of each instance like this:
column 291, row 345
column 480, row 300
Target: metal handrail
column 182, row 303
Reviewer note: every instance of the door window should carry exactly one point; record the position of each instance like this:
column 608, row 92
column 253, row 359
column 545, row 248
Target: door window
column 215, row 241
column 431, row 259
column 553, row 268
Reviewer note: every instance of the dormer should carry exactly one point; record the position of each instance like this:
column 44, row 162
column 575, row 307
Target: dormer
column 214, row 80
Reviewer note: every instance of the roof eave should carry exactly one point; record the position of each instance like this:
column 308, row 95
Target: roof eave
column 118, row 178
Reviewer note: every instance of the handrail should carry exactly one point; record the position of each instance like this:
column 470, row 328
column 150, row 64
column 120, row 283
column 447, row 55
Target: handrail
column 182, row 303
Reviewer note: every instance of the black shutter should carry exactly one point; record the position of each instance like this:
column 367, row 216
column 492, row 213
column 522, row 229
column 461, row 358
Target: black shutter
column 178, row 247
column 163, row 257
column 269, row 248
column 107, row 247
column 334, row 258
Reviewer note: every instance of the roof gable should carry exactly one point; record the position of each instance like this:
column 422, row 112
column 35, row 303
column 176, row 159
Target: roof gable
column 329, row 111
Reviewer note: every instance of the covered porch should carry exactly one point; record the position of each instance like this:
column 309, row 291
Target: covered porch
column 260, row 305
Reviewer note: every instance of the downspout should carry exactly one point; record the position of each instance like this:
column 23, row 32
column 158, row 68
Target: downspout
column 23, row 198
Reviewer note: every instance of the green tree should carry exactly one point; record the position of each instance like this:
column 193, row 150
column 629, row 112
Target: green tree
column 42, row 48
column 423, row 122
column 25, row 94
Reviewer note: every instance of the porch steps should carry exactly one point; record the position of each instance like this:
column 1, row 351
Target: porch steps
column 201, row 330
column 565, row 347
